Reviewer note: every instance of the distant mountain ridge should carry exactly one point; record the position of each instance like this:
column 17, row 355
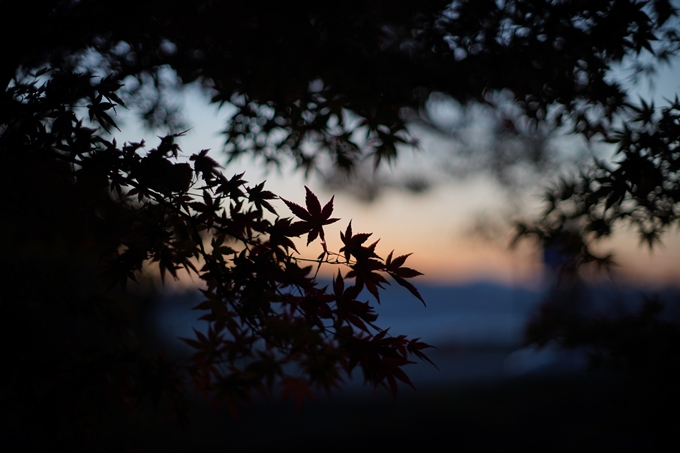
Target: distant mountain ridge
column 476, row 328
column 479, row 313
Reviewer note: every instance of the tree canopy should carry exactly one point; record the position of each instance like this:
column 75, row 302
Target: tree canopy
column 85, row 213
column 372, row 59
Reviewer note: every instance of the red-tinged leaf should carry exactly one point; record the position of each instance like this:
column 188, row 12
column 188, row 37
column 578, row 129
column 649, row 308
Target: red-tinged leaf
column 207, row 199
column 380, row 336
column 296, row 388
column 415, row 347
column 344, row 297
column 390, row 358
column 412, row 289
column 424, row 356
column 188, row 265
column 372, row 288
column 352, row 293
column 403, row 377
column 356, row 321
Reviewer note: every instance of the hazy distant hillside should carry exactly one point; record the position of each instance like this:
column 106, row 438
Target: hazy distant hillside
column 485, row 312
column 477, row 328
column 478, row 313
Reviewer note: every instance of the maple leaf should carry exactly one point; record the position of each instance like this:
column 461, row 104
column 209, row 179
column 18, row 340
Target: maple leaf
column 314, row 217
column 353, row 245
column 205, row 165
column 258, row 196
column 107, row 89
column 296, row 388
column 233, row 187
column 393, row 370
column 279, row 233
column 355, row 312
column 364, row 273
column 395, row 268
column 339, row 290
column 98, row 110
column 415, row 346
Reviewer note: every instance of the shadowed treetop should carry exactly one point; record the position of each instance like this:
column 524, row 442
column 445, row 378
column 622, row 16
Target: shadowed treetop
column 294, row 69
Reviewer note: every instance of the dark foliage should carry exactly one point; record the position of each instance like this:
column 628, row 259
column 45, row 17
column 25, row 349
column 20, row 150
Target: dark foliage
column 294, row 70
column 83, row 214
column 88, row 214
column 641, row 188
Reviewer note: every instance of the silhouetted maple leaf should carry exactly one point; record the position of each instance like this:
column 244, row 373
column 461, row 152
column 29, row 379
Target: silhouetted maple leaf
column 205, row 165
column 353, row 245
column 258, row 196
column 364, row 272
column 297, row 389
column 399, row 273
column 354, row 311
column 314, row 217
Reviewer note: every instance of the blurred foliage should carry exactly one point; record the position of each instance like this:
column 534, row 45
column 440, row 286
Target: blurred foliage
column 641, row 188
column 295, row 71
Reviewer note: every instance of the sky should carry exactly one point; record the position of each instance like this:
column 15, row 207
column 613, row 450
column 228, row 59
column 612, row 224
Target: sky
column 440, row 226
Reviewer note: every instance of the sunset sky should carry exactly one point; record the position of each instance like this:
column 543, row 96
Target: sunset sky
column 436, row 226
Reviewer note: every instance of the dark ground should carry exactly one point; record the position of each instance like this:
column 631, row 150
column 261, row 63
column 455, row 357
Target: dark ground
column 579, row 413
column 487, row 396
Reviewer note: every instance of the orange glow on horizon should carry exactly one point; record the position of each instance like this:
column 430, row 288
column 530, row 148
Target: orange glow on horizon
column 414, row 224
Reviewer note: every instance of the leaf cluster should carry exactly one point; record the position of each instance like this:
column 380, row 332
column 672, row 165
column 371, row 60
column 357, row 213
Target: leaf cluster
column 348, row 75
column 641, row 187
column 124, row 209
